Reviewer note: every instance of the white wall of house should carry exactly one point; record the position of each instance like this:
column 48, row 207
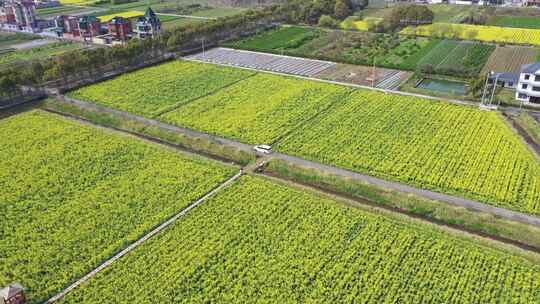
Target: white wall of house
column 528, row 88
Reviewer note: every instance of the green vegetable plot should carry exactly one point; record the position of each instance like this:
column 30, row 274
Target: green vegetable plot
column 72, row 196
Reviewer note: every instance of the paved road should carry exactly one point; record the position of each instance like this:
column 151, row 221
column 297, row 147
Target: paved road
column 450, row 199
column 32, row 44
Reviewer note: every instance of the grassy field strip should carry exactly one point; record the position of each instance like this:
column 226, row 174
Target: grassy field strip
column 263, row 240
column 146, row 237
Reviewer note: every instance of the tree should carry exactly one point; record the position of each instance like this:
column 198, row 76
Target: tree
column 327, row 21
column 476, row 85
column 342, row 9
column 410, row 15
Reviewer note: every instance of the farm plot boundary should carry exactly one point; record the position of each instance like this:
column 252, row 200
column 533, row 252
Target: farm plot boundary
column 345, row 173
column 146, row 237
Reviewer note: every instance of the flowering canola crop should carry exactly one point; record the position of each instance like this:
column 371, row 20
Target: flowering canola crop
column 73, row 196
column 264, row 242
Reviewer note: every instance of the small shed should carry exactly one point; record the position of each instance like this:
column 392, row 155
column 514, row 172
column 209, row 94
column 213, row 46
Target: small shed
column 12, row 294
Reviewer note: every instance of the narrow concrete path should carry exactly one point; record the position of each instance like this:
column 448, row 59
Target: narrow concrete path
column 397, row 186
column 139, row 242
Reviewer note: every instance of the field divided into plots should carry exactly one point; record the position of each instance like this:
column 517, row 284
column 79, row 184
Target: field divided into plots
column 243, row 112
column 153, row 90
column 264, row 241
column 435, row 145
column 511, row 58
column 477, row 32
column 457, row 58
column 73, row 195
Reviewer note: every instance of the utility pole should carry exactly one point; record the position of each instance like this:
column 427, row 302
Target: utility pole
column 203, row 54
column 485, row 88
column 373, row 74
column 494, row 89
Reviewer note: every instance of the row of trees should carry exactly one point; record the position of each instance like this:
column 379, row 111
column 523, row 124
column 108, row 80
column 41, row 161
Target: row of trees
column 310, row 12
column 93, row 63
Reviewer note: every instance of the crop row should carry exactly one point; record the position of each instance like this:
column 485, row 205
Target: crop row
column 72, row 196
column 477, row 32
column 263, row 242
column 457, row 58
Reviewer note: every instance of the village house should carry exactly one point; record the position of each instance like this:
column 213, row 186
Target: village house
column 18, row 15
column 148, row 25
column 12, row 294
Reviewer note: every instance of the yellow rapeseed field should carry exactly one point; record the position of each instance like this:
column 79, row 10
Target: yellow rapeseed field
column 127, row 15
column 477, row 32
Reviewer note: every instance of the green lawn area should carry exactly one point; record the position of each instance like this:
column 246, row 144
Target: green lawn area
column 61, row 10
column 9, row 39
column 218, row 12
column 282, row 38
column 170, row 22
column 516, row 21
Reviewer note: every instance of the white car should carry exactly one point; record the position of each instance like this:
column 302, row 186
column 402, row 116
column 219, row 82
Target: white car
column 264, row 149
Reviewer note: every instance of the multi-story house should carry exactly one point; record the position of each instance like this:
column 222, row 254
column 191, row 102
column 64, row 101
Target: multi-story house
column 89, row 26
column 148, row 25
column 120, row 28
column 19, row 14
column 528, row 87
